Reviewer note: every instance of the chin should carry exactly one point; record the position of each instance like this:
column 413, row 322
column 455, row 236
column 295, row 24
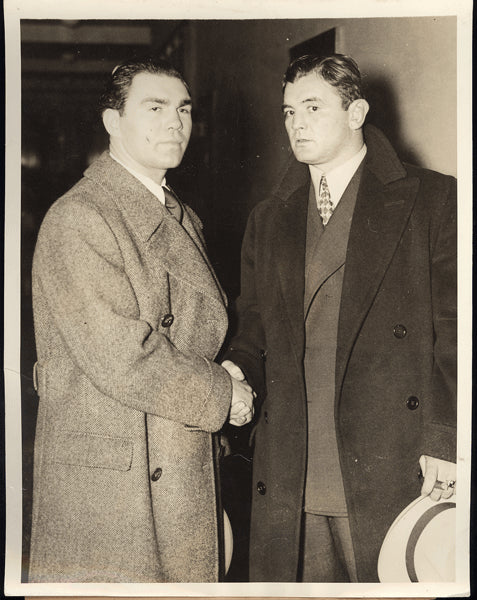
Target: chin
column 171, row 162
column 305, row 158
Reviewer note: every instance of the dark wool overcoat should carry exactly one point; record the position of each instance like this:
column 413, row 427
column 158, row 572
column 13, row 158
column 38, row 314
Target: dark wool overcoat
column 128, row 319
column 395, row 361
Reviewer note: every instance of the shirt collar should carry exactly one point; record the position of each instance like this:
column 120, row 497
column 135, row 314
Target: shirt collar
column 339, row 177
column 155, row 189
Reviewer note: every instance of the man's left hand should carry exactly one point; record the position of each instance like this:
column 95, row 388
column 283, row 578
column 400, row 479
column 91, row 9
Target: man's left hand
column 439, row 477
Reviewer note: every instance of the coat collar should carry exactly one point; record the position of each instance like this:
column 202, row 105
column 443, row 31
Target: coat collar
column 381, row 159
column 181, row 246
column 141, row 209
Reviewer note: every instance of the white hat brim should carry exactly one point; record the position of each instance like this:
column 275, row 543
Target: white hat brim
column 420, row 544
column 228, row 542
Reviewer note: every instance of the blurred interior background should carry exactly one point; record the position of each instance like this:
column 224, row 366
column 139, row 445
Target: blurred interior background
column 238, row 150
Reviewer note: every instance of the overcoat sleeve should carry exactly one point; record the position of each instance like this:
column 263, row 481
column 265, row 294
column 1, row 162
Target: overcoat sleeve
column 248, row 348
column 439, row 437
column 79, row 272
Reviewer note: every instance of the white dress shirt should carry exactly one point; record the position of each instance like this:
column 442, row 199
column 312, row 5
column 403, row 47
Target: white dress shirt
column 339, row 177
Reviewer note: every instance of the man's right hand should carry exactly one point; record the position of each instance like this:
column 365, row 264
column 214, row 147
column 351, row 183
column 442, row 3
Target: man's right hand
column 439, row 477
column 233, row 370
column 241, row 409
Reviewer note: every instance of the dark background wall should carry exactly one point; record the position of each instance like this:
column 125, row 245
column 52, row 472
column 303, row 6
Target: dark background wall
column 238, row 149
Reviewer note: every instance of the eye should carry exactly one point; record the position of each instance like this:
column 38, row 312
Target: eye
column 155, row 108
column 288, row 112
column 185, row 110
column 312, row 108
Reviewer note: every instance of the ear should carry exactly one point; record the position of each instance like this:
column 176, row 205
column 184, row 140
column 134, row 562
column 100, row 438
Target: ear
column 111, row 121
column 357, row 111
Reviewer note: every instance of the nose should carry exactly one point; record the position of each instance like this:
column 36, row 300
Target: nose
column 297, row 122
column 175, row 122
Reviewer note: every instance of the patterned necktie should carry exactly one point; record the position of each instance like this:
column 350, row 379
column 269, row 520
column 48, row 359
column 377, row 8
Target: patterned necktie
column 325, row 206
column 172, row 204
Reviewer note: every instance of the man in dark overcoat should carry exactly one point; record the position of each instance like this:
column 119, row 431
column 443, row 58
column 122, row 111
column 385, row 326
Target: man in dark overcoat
column 347, row 332
column 129, row 317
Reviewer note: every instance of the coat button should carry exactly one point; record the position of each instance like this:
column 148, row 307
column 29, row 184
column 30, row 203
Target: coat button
column 157, row 474
column 261, row 488
column 167, row 320
column 400, row 331
column 265, row 416
column 412, row 402
column 263, row 354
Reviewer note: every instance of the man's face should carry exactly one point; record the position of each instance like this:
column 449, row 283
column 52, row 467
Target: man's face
column 316, row 122
column 155, row 127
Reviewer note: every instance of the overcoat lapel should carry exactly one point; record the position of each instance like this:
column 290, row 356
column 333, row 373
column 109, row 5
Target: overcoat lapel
column 289, row 250
column 183, row 259
column 180, row 248
column 192, row 225
column 382, row 210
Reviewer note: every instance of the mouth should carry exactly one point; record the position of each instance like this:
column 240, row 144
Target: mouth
column 172, row 142
column 301, row 142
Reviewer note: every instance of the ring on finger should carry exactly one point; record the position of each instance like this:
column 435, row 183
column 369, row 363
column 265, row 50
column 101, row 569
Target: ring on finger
column 449, row 484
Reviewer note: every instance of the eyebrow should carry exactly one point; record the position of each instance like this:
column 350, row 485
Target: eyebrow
column 311, row 99
column 164, row 102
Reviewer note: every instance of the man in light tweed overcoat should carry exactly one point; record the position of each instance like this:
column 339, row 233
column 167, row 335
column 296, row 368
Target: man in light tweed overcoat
column 129, row 317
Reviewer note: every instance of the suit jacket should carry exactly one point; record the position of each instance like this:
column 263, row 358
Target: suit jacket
column 128, row 319
column 395, row 360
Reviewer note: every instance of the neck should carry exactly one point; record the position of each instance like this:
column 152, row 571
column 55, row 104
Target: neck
column 117, row 150
column 353, row 147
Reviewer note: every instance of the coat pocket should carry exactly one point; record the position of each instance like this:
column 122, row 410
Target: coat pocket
column 94, row 451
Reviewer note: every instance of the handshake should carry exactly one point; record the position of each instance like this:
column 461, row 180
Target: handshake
column 241, row 408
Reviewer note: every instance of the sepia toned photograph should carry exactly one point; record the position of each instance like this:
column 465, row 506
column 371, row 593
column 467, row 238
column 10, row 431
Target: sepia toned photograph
column 237, row 289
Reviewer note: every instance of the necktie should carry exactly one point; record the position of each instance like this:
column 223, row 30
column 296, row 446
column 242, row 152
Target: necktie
column 172, row 204
column 325, row 206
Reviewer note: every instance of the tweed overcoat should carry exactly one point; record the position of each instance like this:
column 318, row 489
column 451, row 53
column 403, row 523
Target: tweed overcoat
column 128, row 319
column 395, row 362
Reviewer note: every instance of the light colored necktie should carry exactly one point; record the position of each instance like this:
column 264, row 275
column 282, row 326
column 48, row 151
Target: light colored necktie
column 173, row 204
column 325, row 206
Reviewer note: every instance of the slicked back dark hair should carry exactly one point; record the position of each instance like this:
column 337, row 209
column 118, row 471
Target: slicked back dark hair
column 119, row 81
column 337, row 70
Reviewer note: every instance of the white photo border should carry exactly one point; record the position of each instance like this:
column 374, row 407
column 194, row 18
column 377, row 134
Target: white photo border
column 14, row 10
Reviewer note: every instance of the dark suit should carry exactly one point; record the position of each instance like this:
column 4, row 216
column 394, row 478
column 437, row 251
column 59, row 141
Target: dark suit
column 395, row 365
